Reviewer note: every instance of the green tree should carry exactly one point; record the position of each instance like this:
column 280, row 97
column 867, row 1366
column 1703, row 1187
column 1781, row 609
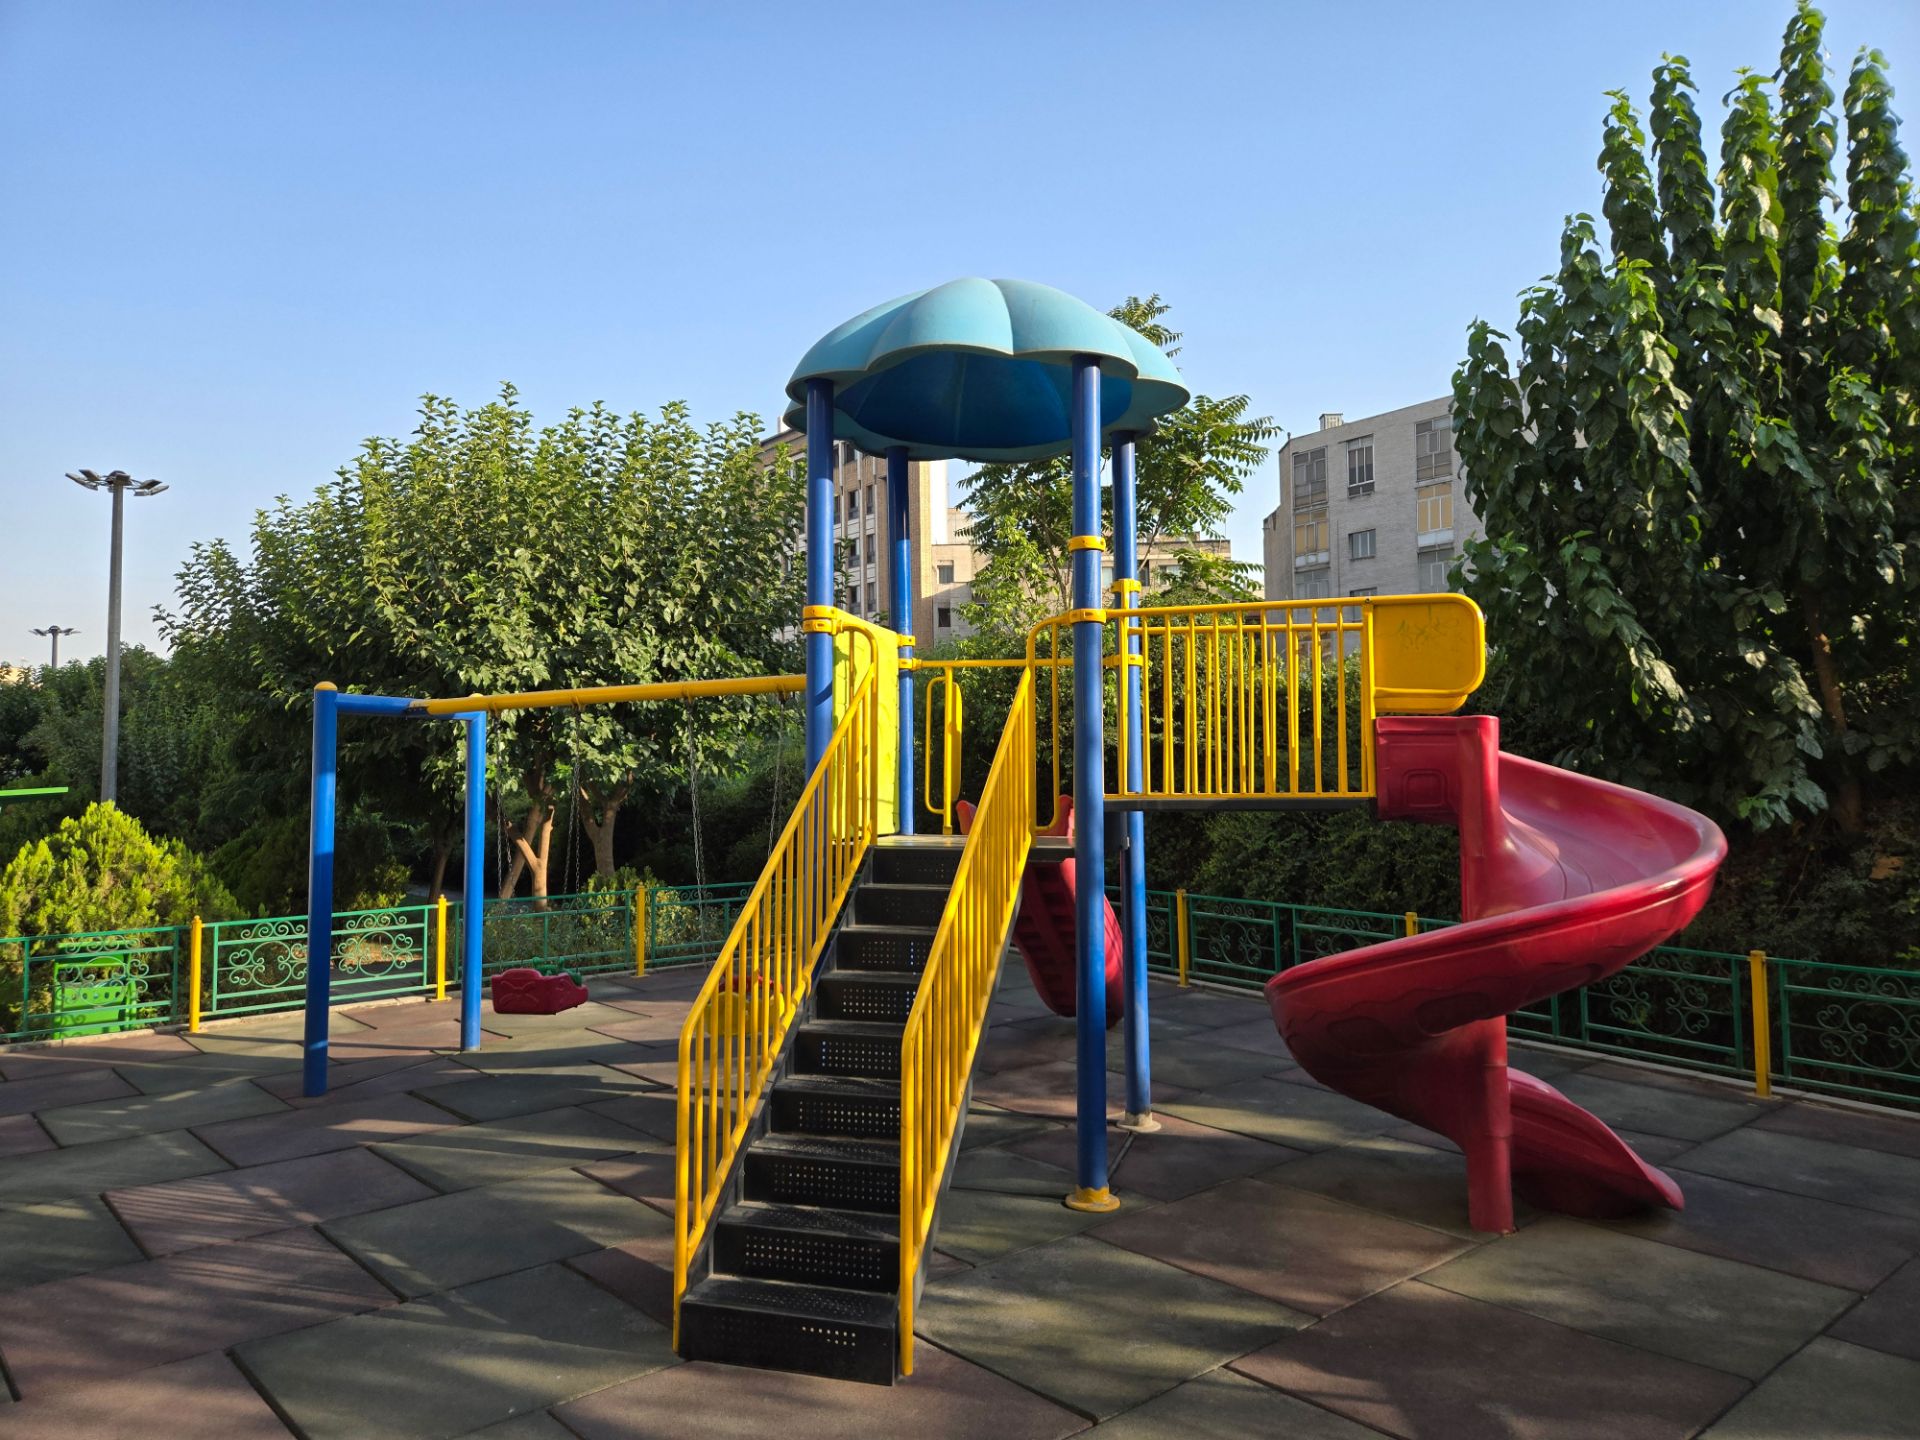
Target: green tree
column 1187, row 473
column 1697, row 476
column 101, row 870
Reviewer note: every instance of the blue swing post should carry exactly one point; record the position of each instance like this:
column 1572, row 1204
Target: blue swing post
column 473, row 900
column 326, row 759
column 819, row 642
column 901, row 605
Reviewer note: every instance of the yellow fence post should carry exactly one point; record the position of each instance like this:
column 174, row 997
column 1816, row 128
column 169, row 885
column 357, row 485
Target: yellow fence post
column 639, row 929
column 440, row 949
column 1762, row 1024
column 193, row 977
column 1182, row 940
column 1413, row 922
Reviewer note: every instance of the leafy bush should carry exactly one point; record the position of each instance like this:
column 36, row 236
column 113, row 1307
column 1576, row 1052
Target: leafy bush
column 101, row 870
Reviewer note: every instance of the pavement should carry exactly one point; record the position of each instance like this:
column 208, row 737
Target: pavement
column 481, row 1245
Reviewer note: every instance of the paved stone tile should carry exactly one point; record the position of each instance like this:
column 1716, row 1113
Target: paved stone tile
column 508, row 1149
column 1889, row 1318
column 1306, row 1252
column 237, row 1203
column 59, row 1088
column 1038, row 1040
column 31, row 1061
column 1209, row 1009
column 22, row 1135
column 646, row 1175
column 313, row 1130
column 652, row 1028
column 453, row 1363
column 1259, row 1034
column 947, row 1399
column 197, row 1071
column 523, row 1092
column 1832, row 1390
column 392, row 1042
column 1870, row 1179
column 58, row 1238
column 1683, row 1114
column 1306, row 1117
column 1224, row 1406
column 580, row 1017
column 1049, row 1090
column 990, row 1125
column 1814, row 1239
column 273, row 1034
column 110, row 1165
column 1654, row 1149
column 539, row 1425
column 655, row 1113
column 1001, row 1202
column 1547, row 1064
column 544, row 1051
column 639, row 1272
column 1895, row 1134
column 1416, row 1183
column 80, row 1331
column 204, row 1398
column 405, row 1014
column 1095, row 1327
column 657, row 1065
column 150, row 1114
column 1693, row 1307
column 1175, row 1160
column 364, row 1079
column 1196, row 1063
column 1419, row 1362
column 476, row 1234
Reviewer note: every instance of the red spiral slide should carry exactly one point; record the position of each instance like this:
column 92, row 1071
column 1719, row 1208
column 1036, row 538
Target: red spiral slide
column 1564, row 880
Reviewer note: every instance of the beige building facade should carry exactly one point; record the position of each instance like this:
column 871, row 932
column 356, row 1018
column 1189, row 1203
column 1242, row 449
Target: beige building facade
column 1373, row 506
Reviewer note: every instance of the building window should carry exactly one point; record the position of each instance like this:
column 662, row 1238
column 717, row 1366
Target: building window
column 870, row 509
column 1365, row 590
column 873, row 548
column 943, row 573
column 1434, row 562
column 1313, row 584
column 846, row 452
column 1310, row 479
column 873, row 598
column 1310, row 538
column 943, row 618
column 1360, row 545
column 1146, row 573
column 1433, row 449
column 1360, row 467
column 853, row 504
column 1433, row 507
column 836, row 508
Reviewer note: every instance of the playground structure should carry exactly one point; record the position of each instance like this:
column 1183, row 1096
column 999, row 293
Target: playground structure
column 824, row 1066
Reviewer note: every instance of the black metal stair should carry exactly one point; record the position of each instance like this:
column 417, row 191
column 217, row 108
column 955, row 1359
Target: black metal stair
column 801, row 1269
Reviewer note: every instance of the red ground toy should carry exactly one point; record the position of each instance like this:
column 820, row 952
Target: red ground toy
column 526, row 991
column 1043, row 933
column 1564, row 880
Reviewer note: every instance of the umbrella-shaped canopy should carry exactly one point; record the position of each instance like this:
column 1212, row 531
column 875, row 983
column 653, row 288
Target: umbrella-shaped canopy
column 981, row 370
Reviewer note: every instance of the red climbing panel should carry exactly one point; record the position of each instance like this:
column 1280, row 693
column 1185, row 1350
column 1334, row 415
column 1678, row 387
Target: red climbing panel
column 1564, row 880
column 1043, row 931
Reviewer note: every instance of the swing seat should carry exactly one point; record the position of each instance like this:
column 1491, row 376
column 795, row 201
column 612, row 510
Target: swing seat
column 525, row 991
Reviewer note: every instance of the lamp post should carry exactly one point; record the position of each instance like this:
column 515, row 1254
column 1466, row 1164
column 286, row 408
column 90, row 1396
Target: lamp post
column 118, row 483
column 56, row 631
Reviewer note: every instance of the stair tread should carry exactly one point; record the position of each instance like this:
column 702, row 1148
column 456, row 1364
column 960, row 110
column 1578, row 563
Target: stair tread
column 864, row 1086
column 883, row 927
column 869, row 1029
column 789, row 1297
column 823, row 1147
column 909, row 978
column 821, row 1219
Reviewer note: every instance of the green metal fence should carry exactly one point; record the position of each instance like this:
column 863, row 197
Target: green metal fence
column 60, row 986
column 1843, row 1029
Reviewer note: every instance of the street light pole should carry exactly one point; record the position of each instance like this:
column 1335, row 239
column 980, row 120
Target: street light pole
column 119, row 483
column 56, row 631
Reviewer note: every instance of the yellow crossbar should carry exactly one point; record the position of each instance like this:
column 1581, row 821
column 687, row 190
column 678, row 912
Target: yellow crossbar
column 615, row 694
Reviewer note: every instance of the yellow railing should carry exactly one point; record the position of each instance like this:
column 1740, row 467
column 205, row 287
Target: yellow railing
column 943, row 1030
column 737, row 1023
column 1273, row 700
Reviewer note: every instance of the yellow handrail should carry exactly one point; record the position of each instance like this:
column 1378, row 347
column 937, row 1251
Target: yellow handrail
column 951, row 726
column 738, row 1021
column 943, row 1029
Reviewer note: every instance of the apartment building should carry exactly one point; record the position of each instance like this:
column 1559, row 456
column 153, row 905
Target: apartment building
column 943, row 563
column 1368, row 507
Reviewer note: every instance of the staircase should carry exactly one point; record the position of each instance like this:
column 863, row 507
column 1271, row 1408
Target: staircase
column 802, row 1267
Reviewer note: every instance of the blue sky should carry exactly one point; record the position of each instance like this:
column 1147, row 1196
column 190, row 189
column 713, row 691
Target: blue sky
column 240, row 237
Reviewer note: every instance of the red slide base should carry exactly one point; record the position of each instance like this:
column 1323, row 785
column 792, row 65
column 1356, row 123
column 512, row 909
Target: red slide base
column 1044, row 929
column 1564, row 880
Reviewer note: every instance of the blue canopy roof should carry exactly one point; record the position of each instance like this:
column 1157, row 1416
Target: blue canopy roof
column 981, row 370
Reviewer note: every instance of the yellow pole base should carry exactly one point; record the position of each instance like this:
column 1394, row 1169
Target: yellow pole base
column 1141, row 1124
column 1093, row 1202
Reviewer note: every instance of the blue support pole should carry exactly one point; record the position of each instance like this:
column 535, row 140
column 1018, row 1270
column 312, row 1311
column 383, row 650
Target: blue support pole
column 1133, row 865
column 819, row 645
column 326, row 731
column 901, row 604
column 473, row 899
column 1089, row 800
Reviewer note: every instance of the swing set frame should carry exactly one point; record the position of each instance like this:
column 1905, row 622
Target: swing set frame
column 329, row 704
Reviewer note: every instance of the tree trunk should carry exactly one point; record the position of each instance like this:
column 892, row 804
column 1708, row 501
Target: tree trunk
column 1847, row 803
column 437, row 868
column 510, row 882
column 534, row 853
column 597, row 815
